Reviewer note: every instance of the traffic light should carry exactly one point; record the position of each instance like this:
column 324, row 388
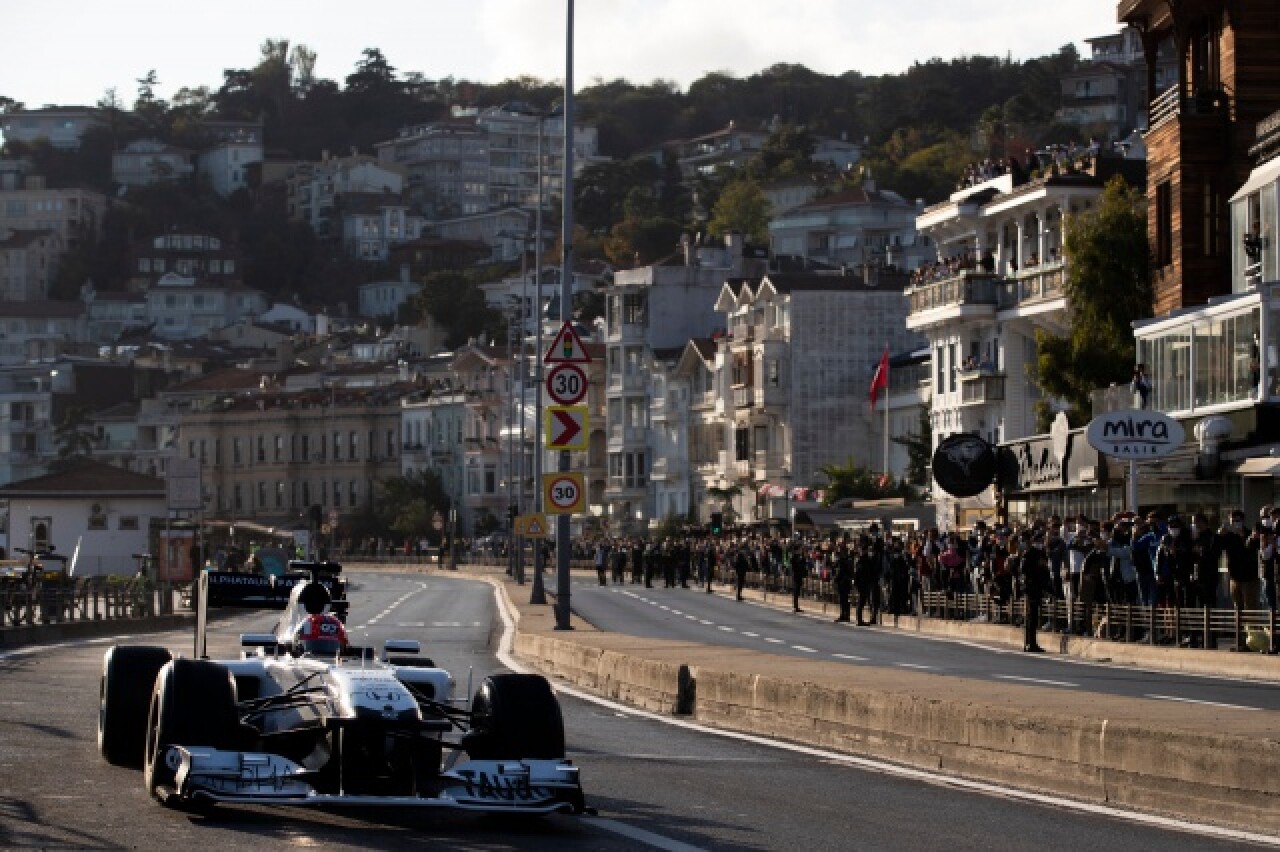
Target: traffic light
column 717, row 523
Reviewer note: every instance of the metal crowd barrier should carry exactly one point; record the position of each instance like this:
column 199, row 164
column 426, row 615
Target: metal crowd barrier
column 1201, row 627
column 64, row 600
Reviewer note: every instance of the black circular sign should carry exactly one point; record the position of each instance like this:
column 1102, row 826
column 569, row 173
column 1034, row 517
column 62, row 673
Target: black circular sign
column 964, row 465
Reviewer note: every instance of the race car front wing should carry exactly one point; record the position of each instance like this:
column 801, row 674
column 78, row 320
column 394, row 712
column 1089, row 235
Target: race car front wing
column 493, row 786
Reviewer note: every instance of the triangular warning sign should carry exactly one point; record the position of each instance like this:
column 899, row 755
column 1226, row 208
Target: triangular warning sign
column 567, row 348
column 536, row 526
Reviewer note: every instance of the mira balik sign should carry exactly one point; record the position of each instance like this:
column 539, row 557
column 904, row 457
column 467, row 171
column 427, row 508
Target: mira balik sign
column 1135, row 434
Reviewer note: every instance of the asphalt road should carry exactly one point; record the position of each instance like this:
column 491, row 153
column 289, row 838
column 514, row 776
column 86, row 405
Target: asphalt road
column 717, row 619
column 656, row 785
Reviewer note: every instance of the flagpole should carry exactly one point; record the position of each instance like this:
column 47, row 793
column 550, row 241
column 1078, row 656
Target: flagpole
column 886, row 418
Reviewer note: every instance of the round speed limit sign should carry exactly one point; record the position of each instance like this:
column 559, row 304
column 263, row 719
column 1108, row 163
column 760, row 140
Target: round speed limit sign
column 563, row 493
column 566, row 384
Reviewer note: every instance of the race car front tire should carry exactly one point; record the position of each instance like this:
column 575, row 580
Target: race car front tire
column 124, row 694
column 193, row 704
column 515, row 716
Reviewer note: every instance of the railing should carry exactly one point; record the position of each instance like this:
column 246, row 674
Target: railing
column 966, row 288
column 1037, row 284
column 63, row 600
column 1206, row 101
column 981, row 389
column 1164, row 106
column 1194, row 627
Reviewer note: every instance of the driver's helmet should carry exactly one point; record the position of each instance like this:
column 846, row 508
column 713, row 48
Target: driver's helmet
column 322, row 634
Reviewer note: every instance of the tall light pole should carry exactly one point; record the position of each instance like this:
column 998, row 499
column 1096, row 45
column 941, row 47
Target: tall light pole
column 566, row 311
column 539, row 594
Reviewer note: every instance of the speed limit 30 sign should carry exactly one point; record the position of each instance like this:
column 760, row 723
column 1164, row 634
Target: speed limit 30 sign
column 566, row 384
column 563, row 494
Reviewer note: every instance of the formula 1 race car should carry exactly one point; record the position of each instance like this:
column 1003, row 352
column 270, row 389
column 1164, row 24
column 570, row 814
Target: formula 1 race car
column 303, row 718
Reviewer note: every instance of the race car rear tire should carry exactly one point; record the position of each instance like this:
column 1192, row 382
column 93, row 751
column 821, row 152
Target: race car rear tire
column 193, row 704
column 515, row 716
column 124, row 694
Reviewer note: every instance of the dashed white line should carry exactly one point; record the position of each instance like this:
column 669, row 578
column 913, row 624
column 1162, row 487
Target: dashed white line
column 807, row 650
column 692, row 617
column 725, row 629
column 1036, row 680
column 676, row 612
column 914, row 666
column 664, row 606
column 775, row 641
column 752, row 635
column 704, row 621
column 853, row 657
column 1197, row 701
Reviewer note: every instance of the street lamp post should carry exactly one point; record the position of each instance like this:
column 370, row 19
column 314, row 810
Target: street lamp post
column 539, row 594
column 563, row 611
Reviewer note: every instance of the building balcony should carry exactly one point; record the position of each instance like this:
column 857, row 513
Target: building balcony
column 969, row 294
column 666, row 469
column 980, row 388
column 744, row 397
column 1034, row 286
column 626, row 332
column 1209, row 103
column 32, row 425
column 771, row 465
column 620, row 435
column 741, row 468
column 628, row 383
column 703, row 401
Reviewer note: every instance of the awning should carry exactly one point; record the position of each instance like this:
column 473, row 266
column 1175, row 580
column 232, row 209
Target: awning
column 1258, row 178
column 768, row 490
column 1260, row 466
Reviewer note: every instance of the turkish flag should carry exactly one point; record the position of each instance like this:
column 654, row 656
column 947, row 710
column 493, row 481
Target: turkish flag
column 880, row 381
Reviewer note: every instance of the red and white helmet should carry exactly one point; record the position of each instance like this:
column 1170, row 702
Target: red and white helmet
column 322, row 634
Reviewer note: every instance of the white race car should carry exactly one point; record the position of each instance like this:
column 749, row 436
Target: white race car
column 300, row 719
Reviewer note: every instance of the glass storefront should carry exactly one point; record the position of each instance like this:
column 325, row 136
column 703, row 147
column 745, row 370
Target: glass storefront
column 1207, row 361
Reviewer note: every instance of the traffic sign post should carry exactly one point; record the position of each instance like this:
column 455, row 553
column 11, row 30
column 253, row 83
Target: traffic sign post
column 564, row 493
column 566, row 384
column 567, row 427
column 567, row 348
column 532, row 526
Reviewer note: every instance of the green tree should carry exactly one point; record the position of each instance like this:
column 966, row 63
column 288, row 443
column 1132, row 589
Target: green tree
column 407, row 504
column 638, row 242
column 919, row 446
column 458, row 306
column 850, row 480
column 1108, row 287
column 72, row 438
column 741, row 209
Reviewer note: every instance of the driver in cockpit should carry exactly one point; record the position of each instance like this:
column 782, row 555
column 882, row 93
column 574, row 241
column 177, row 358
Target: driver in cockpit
column 321, row 635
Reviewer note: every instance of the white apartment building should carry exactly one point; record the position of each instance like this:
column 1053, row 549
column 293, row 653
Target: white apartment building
column 651, row 310
column 798, row 358
column 62, row 126
column 432, row 431
column 861, row 225
column 312, row 189
column 26, row 204
column 182, row 308
column 374, row 223
column 447, row 164
column 229, row 164
column 35, row 331
column 28, row 264
column 144, row 162
column 998, row 279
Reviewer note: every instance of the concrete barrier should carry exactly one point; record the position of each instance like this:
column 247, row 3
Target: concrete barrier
column 1200, row 775
column 14, row 637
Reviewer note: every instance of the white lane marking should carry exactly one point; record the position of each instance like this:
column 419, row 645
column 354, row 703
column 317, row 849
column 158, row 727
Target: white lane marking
column 664, row 606
column 937, row 779
column 676, row 612
column 854, row 657
column 692, row 617
column 775, row 641
column 695, row 757
column 639, row 835
column 726, row 629
column 806, row 650
column 1197, row 701
column 752, row 635
column 1036, row 680
column 913, row 666
column 412, row 624
column 704, row 621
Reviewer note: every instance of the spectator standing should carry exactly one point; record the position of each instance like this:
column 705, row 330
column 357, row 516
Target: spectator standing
column 1035, row 579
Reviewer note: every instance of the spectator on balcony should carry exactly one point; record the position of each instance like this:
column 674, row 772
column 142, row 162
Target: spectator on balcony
column 1140, row 386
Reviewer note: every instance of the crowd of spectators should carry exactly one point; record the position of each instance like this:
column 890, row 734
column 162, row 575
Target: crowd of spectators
column 1153, row 561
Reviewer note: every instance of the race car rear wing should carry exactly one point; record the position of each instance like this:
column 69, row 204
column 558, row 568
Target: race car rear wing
column 261, row 591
